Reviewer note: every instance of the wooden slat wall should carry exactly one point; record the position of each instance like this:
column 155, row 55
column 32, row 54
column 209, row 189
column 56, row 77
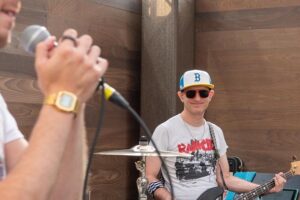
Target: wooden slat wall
column 115, row 25
column 252, row 50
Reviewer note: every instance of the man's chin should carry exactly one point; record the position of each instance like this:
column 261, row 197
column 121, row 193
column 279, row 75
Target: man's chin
column 198, row 112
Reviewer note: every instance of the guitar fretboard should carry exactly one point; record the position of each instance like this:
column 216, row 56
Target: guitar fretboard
column 262, row 189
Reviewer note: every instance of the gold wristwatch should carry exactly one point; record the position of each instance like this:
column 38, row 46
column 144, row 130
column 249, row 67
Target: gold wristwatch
column 63, row 101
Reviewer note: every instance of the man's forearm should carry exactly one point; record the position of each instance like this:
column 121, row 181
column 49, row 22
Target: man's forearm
column 37, row 171
column 69, row 184
column 162, row 194
column 238, row 185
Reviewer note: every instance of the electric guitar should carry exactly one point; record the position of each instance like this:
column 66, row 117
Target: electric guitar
column 211, row 194
column 215, row 193
column 262, row 189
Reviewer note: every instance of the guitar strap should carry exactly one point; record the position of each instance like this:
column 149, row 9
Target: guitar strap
column 217, row 154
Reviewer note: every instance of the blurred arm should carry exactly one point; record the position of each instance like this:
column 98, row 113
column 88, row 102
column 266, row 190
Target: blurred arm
column 153, row 166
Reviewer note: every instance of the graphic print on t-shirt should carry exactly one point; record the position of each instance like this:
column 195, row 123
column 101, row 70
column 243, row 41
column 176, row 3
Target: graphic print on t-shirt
column 202, row 162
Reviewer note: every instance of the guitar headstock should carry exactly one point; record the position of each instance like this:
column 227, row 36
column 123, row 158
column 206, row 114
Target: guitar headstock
column 295, row 167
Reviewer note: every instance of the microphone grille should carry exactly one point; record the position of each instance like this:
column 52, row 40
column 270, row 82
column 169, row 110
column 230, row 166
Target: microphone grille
column 31, row 36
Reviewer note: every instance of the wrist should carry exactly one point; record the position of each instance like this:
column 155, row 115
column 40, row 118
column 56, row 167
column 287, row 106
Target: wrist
column 162, row 194
column 154, row 186
column 63, row 101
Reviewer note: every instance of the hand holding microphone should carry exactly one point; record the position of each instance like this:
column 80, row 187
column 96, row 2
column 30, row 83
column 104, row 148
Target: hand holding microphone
column 74, row 65
column 35, row 34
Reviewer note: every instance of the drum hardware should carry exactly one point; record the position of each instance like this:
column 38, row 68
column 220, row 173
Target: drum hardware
column 143, row 150
column 142, row 181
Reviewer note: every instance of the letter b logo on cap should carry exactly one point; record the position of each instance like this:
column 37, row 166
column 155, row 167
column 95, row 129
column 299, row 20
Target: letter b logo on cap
column 197, row 77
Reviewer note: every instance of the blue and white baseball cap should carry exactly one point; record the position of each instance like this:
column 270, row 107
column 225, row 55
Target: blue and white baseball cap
column 195, row 78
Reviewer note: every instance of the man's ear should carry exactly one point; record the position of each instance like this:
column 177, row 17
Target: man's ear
column 180, row 95
column 211, row 94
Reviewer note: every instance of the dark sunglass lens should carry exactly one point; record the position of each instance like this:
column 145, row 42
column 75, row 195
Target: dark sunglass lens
column 190, row 94
column 203, row 93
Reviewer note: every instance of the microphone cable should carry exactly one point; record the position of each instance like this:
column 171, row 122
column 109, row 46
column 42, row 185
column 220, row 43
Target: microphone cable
column 95, row 139
column 118, row 99
column 115, row 97
column 149, row 136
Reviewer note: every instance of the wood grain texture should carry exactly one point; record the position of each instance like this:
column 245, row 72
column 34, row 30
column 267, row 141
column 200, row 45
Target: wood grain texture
column 268, row 18
column 129, row 5
column 116, row 27
column 41, row 5
column 229, row 5
column 251, row 50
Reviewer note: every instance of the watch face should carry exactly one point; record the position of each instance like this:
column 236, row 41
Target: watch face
column 63, row 100
column 66, row 101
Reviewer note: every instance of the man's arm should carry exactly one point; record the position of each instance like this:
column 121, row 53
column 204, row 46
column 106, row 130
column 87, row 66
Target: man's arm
column 71, row 173
column 153, row 166
column 69, row 184
column 73, row 68
column 38, row 168
column 233, row 183
column 239, row 185
column 70, row 181
column 14, row 151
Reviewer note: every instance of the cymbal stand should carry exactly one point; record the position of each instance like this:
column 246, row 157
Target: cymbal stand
column 142, row 181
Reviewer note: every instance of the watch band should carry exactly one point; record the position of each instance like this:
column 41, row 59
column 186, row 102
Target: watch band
column 64, row 101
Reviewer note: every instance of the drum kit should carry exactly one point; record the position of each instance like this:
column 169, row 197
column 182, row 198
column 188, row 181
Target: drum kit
column 142, row 150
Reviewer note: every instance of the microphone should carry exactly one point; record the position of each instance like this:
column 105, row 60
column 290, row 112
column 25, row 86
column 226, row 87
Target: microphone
column 34, row 34
column 31, row 36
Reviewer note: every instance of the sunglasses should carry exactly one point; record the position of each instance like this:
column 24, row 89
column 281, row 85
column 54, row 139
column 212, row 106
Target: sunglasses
column 192, row 93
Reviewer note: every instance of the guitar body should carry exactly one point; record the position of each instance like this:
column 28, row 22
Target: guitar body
column 237, row 197
column 212, row 194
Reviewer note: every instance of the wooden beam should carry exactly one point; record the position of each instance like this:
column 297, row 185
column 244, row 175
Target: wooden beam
column 167, row 50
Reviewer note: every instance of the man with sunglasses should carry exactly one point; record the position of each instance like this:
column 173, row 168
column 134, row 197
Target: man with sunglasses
column 189, row 132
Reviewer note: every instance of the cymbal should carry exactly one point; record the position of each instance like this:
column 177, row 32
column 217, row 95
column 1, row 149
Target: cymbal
column 142, row 150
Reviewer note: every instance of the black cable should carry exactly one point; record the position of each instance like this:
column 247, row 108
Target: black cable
column 94, row 141
column 124, row 104
column 148, row 134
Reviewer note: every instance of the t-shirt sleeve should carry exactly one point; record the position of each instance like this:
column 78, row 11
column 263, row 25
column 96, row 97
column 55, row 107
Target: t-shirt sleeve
column 221, row 143
column 160, row 138
column 9, row 126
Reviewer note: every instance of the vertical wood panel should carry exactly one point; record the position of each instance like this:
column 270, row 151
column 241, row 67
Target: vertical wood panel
column 251, row 48
column 168, row 49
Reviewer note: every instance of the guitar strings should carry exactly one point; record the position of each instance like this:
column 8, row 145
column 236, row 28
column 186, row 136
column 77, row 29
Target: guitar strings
column 254, row 193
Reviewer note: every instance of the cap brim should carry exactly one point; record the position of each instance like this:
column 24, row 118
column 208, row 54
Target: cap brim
column 211, row 86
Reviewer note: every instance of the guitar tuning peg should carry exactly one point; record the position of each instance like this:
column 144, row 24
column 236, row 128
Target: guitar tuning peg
column 294, row 158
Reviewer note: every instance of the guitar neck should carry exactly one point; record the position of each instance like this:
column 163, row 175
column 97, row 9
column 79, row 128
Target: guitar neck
column 262, row 189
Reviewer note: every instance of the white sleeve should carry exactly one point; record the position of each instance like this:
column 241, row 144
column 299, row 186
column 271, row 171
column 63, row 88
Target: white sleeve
column 160, row 138
column 9, row 126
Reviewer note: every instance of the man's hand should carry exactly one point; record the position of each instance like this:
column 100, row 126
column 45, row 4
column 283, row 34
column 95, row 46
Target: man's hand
column 279, row 183
column 74, row 65
column 162, row 194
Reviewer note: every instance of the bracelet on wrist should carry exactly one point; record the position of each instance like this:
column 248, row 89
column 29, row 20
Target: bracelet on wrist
column 152, row 187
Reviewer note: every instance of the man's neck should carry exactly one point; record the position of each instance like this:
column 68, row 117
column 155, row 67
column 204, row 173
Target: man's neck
column 194, row 120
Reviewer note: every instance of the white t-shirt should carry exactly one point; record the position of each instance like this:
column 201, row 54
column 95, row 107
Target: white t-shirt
column 8, row 132
column 190, row 176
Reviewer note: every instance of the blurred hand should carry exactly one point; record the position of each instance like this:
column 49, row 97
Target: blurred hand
column 279, row 183
column 162, row 194
column 73, row 66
